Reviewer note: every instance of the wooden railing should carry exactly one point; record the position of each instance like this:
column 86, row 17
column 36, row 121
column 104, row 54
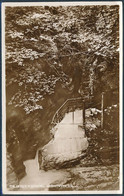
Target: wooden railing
column 78, row 103
column 69, row 106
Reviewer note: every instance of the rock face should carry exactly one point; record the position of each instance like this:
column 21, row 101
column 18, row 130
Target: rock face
column 104, row 178
column 69, row 143
column 12, row 179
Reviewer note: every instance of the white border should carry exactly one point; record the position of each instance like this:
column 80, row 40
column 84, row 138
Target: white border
column 63, row 3
column 3, row 102
column 4, row 189
column 121, row 95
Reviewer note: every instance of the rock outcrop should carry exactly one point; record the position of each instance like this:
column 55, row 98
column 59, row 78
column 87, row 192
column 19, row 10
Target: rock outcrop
column 12, row 179
column 89, row 179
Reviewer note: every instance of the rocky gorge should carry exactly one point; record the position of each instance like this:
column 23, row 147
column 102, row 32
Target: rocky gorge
column 53, row 54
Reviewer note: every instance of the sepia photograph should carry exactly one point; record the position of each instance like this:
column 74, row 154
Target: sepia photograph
column 62, row 98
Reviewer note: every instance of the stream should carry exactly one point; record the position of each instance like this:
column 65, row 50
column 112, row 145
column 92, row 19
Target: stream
column 61, row 145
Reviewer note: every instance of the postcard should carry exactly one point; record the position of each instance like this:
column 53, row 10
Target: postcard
column 62, row 97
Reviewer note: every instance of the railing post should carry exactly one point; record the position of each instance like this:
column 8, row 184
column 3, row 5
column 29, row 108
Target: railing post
column 102, row 110
column 83, row 112
column 73, row 116
column 57, row 117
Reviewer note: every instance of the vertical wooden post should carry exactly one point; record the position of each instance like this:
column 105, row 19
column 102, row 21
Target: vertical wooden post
column 102, row 110
column 57, row 120
column 83, row 116
column 73, row 116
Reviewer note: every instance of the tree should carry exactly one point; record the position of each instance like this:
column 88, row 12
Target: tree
column 44, row 45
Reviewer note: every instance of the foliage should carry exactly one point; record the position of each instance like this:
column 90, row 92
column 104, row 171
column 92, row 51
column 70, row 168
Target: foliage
column 44, row 44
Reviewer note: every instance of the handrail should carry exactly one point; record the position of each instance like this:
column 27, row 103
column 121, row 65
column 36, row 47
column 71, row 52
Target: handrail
column 59, row 114
column 62, row 106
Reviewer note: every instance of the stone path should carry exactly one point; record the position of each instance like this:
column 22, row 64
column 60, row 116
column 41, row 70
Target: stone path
column 69, row 141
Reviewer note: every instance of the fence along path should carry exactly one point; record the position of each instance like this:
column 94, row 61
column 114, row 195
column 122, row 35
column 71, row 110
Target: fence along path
column 70, row 105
